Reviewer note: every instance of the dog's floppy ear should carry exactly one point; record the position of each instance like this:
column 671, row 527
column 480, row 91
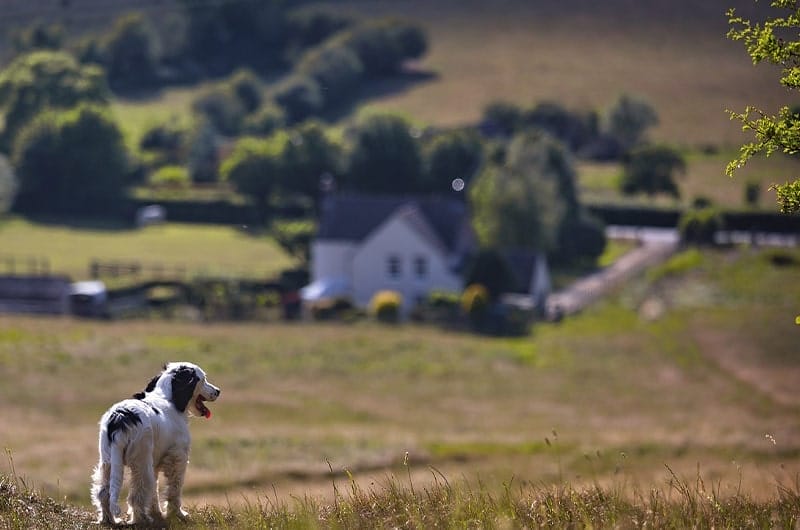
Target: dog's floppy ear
column 149, row 388
column 184, row 379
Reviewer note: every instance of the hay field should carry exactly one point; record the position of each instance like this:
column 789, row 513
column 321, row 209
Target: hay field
column 583, row 54
column 608, row 397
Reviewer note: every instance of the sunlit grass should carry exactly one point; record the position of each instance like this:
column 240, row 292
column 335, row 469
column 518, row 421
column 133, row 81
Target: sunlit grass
column 196, row 249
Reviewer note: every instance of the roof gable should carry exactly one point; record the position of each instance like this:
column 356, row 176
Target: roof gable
column 353, row 217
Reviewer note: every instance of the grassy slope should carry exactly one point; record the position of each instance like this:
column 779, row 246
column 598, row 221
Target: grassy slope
column 607, row 397
column 584, row 54
column 579, row 53
column 215, row 250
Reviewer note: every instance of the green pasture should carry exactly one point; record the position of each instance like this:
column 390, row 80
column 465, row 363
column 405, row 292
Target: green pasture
column 197, row 249
column 606, row 398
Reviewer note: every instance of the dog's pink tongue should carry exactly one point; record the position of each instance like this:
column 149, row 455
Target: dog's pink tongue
column 207, row 414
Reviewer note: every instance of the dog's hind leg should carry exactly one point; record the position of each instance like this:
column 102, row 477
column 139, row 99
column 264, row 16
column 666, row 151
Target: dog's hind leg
column 143, row 497
column 100, row 491
column 116, row 470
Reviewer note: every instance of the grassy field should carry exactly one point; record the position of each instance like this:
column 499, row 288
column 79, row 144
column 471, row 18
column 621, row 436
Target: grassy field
column 199, row 249
column 705, row 385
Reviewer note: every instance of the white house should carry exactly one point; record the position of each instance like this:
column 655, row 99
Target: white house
column 366, row 243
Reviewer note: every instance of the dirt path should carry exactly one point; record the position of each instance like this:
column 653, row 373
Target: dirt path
column 654, row 247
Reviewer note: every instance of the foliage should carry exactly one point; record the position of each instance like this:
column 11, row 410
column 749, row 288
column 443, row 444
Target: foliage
column 502, row 117
column 165, row 142
column 71, row 162
column 170, row 177
column 38, row 36
column 651, row 169
column 581, row 237
column 130, row 53
column 699, row 225
column 300, row 97
column 490, row 269
column 295, row 238
column 774, row 41
column 227, row 103
column 202, row 156
column 224, row 35
column 451, row 155
column 628, row 119
column 264, row 121
column 383, row 45
column 521, row 205
column 254, row 168
column 8, row 185
column 385, row 306
column 308, row 155
column 385, row 157
column 475, row 298
column 335, row 68
column 752, row 193
column 574, row 129
column 308, row 28
column 45, row 79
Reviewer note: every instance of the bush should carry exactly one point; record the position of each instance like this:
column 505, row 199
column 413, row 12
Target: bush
column 8, row 185
column 582, row 237
column 71, row 162
column 475, row 301
column 385, row 306
column 335, row 67
column 300, row 97
column 698, row 226
column 265, row 121
column 170, row 177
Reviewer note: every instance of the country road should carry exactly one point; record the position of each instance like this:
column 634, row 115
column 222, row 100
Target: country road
column 655, row 246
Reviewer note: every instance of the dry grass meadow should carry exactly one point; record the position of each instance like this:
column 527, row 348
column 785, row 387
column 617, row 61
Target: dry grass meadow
column 706, row 386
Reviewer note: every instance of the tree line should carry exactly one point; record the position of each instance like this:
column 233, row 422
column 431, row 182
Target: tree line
column 516, row 166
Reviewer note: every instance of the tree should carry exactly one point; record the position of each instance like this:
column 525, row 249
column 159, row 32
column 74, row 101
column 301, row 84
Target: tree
column 385, row 156
column 628, row 119
column 307, row 155
column 8, row 185
column 129, row 53
column 531, row 203
column 71, row 161
column 45, row 79
column 515, row 210
column 224, row 34
column 254, row 168
column 651, row 170
column 449, row 156
column 336, row 69
column 772, row 41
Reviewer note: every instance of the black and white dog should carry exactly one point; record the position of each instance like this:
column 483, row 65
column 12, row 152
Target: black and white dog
column 150, row 434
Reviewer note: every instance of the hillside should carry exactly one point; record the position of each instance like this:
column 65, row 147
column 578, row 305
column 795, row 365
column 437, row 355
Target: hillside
column 583, row 54
column 578, row 52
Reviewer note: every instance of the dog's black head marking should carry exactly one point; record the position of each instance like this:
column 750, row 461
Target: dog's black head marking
column 184, row 381
column 121, row 419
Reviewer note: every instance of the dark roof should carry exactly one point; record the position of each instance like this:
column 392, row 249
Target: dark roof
column 353, row 217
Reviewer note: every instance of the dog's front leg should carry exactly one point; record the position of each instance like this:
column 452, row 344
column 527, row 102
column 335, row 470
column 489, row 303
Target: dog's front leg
column 174, row 467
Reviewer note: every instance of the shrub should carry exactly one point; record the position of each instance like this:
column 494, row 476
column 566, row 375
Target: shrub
column 752, row 193
column 385, row 306
column 475, row 300
column 265, row 121
column 299, row 97
column 698, row 226
column 170, row 177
